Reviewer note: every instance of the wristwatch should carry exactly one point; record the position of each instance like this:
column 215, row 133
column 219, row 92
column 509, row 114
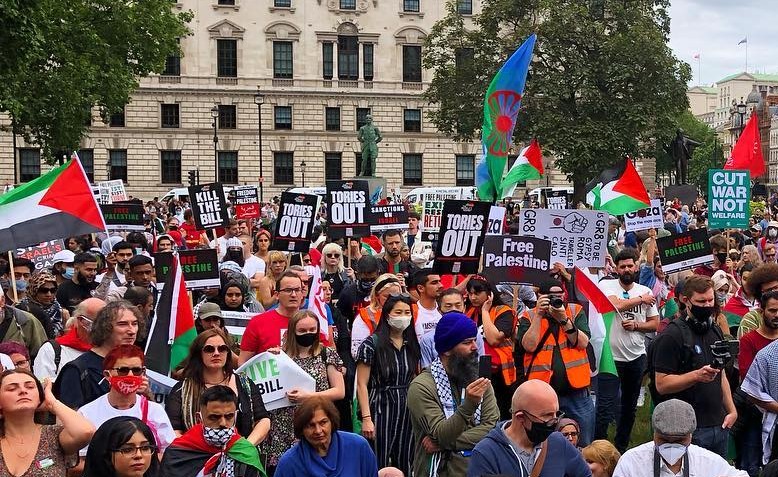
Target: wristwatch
column 571, row 330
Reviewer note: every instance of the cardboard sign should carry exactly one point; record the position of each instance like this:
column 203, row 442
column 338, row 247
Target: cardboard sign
column 516, row 260
column 729, row 196
column 557, row 199
column 462, row 231
column 496, row 220
column 644, row 219
column 114, row 190
column 42, row 255
column 389, row 217
column 684, row 251
column 276, row 374
column 432, row 212
column 349, row 209
column 246, row 202
column 579, row 238
column 296, row 219
column 200, row 268
column 209, row 206
column 123, row 216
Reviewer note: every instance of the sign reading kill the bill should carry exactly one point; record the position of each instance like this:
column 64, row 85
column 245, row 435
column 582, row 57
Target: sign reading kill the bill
column 462, row 231
column 246, row 202
column 349, row 209
column 729, row 197
column 684, row 251
column 209, row 206
column 432, row 212
column 389, row 217
column 579, row 238
column 516, row 260
column 200, row 268
column 123, row 216
column 644, row 219
column 295, row 222
column 42, row 255
column 276, row 375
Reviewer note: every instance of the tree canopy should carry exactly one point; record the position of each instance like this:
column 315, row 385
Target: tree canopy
column 62, row 57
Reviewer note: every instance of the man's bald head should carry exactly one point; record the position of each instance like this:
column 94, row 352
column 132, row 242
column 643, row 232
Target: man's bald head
column 536, row 397
column 89, row 308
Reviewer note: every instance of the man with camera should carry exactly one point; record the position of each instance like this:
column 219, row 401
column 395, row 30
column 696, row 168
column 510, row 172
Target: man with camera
column 554, row 337
column 687, row 359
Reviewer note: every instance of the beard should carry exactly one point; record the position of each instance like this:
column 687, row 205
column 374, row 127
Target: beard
column 463, row 370
column 83, row 279
column 627, row 278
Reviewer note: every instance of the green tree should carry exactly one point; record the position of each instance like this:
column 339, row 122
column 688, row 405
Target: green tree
column 604, row 82
column 62, row 57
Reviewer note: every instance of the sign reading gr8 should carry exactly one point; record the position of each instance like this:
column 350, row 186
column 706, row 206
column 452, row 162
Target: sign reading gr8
column 529, row 222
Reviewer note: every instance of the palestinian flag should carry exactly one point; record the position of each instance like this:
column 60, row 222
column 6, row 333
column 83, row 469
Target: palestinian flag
column 371, row 245
column 528, row 166
column 601, row 315
column 192, row 455
column 619, row 190
column 58, row 204
column 173, row 329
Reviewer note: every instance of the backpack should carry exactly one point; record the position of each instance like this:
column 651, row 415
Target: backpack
column 57, row 354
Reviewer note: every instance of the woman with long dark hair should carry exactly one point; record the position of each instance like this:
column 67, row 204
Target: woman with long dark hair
column 122, row 447
column 387, row 362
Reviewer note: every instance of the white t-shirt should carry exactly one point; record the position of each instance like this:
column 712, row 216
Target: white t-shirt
column 252, row 266
column 702, row 462
column 426, row 320
column 628, row 345
column 100, row 410
column 43, row 367
column 221, row 250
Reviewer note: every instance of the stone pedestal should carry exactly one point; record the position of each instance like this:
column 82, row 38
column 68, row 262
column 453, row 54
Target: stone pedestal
column 375, row 183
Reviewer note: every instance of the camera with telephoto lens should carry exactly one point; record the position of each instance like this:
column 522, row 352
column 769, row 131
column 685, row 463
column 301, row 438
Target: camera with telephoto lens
column 724, row 351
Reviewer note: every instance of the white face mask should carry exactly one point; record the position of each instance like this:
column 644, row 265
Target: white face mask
column 399, row 322
column 671, row 452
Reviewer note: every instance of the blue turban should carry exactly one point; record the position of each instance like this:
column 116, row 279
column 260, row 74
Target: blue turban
column 453, row 328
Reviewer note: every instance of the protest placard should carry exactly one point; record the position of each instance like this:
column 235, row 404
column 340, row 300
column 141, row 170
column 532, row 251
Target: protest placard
column 729, row 196
column 276, row 375
column 246, row 202
column 236, row 322
column 349, row 209
column 432, row 211
column 462, row 231
column 115, row 190
column 644, row 219
column 496, row 220
column 684, row 251
column 296, row 219
column 579, row 238
column 388, row 217
column 123, row 216
column 209, row 206
column 557, row 199
column 42, row 255
column 516, row 260
column 200, row 268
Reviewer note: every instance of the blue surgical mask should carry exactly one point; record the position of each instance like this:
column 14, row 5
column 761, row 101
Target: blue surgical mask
column 68, row 273
column 21, row 285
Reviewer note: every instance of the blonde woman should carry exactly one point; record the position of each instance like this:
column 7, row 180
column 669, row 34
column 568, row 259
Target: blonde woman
column 277, row 263
column 367, row 319
column 602, row 458
column 333, row 270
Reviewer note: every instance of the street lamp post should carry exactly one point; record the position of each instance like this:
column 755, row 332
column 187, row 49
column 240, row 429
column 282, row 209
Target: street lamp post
column 215, row 116
column 302, row 168
column 259, row 98
column 741, row 110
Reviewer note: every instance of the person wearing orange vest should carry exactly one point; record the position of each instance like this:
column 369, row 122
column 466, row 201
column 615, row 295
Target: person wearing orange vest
column 554, row 337
column 497, row 323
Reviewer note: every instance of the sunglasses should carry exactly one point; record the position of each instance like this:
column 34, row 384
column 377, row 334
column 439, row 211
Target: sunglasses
column 47, row 290
column 333, row 255
column 211, row 349
column 126, row 370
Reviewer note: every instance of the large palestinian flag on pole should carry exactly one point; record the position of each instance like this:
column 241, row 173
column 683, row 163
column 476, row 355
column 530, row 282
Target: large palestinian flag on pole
column 619, row 190
column 58, row 204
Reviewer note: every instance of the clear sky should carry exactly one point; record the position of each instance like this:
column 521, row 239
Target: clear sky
column 713, row 29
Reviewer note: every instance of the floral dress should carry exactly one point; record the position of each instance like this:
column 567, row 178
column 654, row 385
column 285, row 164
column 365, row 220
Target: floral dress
column 49, row 460
column 281, row 436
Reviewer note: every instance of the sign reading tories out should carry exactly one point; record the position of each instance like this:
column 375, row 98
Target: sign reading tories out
column 462, row 233
column 729, row 196
column 294, row 226
column 200, row 268
column 684, row 251
column 349, row 209
column 579, row 238
column 644, row 219
column 516, row 260
column 123, row 216
column 246, row 202
column 209, row 206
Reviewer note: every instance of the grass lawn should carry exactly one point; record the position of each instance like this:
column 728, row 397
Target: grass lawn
column 641, row 431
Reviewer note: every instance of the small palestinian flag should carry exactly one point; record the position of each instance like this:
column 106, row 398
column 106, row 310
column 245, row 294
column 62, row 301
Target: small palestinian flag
column 601, row 315
column 619, row 190
column 528, row 166
column 58, row 204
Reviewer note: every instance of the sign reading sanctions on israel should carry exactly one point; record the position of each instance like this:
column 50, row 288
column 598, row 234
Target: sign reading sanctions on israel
column 729, row 194
column 461, row 236
column 516, row 260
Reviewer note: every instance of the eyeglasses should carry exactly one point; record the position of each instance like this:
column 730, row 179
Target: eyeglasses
column 47, row 290
column 333, row 255
column 130, row 451
column 551, row 422
column 570, row 434
column 210, row 349
column 291, row 291
column 22, row 362
column 125, row 370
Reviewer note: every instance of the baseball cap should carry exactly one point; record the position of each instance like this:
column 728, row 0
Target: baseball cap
column 208, row 310
column 63, row 256
column 674, row 418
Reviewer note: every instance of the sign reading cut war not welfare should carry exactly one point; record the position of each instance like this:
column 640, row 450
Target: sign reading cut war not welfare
column 729, row 195
column 684, row 251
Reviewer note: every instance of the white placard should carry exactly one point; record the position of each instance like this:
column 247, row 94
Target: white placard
column 579, row 238
column 116, row 191
column 644, row 219
column 496, row 220
column 276, row 374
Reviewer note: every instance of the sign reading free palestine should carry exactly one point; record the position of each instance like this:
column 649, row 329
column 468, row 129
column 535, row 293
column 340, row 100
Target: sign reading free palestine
column 729, row 194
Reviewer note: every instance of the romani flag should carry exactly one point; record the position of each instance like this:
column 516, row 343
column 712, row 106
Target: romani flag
column 528, row 166
column 58, row 204
column 601, row 315
column 619, row 190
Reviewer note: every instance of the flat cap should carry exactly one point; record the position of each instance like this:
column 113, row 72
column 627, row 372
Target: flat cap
column 674, row 418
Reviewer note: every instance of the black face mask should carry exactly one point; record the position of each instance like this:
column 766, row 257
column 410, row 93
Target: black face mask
column 365, row 286
column 627, row 278
column 235, row 256
column 700, row 321
column 539, row 432
column 307, row 339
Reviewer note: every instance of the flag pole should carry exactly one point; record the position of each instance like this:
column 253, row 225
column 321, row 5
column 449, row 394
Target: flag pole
column 13, row 276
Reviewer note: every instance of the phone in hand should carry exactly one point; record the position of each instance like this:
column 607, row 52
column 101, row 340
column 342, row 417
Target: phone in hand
column 485, row 366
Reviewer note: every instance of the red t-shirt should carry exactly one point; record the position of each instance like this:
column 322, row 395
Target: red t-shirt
column 750, row 344
column 264, row 332
column 192, row 235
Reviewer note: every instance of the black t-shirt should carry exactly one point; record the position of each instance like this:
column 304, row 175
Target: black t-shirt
column 503, row 322
column 350, row 300
column 705, row 398
column 74, row 390
column 70, row 294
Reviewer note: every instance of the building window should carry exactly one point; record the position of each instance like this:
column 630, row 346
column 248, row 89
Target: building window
column 283, row 163
column 465, row 7
column 327, row 64
column 282, row 59
column 367, row 61
column 332, row 166
column 228, row 167
column 87, row 157
column 465, row 170
column 227, row 58
column 411, row 64
column 170, row 116
column 282, row 3
column 173, row 63
column 226, row 2
column 358, row 162
column 348, row 4
column 170, row 165
column 361, row 117
column 228, row 116
column 332, row 119
column 412, row 120
column 283, row 117
column 117, row 120
column 348, row 58
column 412, row 169
column 410, row 5
column 29, row 164
column 117, row 160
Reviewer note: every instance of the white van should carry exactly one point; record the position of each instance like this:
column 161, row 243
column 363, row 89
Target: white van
column 417, row 195
column 320, row 191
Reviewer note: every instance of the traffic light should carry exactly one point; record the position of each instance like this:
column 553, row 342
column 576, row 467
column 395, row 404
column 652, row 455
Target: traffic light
column 192, row 178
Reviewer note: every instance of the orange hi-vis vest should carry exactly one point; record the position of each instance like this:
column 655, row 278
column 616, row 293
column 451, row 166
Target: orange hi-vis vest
column 367, row 317
column 575, row 359
column 502, row 354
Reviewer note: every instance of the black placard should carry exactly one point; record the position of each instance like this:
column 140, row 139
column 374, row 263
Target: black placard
column 516, row 260
column 200, row 267
column 684, row 251
column 458, row 249
column 557, row 199
column 388, row 217
column 348, row 213
column 42, row 255
column 295, row 222
column 209, row 206
column 123, row 216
